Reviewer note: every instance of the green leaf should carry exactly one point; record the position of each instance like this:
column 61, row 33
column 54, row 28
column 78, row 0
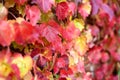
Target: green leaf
column 45, row 17
column 58, row 1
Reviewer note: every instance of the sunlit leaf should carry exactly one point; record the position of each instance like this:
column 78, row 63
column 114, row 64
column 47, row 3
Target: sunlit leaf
column 84, row 9
column 79, row 23
column 3, row 12
column 5, row 69
column 81, row 45
column 23, row 63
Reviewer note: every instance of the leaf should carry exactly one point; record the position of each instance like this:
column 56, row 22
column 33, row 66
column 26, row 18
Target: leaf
column 41, row 62
column 105, row 57
column 46, row 17
column 70, row 32
column 65, row 72
column 50, row 33
column 94, row 55
column 20, row 2
column 58, row 1
column 73, row 58
column 9, row 3
column 3, row 12
column 108, row 10
column 98, row 4
column 84, row 9
column 28, row 76
column 32, row 14
column 62, row 62
column 5, row 69
column 6, row 33
column 24, row 32
column 72, row 7
column 21, row 9
column 62, row 10
column 45, row 5
column 95, row 6
column 24, row 64
column 79, row 23
column 81, row 45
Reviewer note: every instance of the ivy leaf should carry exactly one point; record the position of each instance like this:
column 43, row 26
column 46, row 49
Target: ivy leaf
column 6, row 33
column 9, row 3
column 45, row 5
column 5, row 69
column 58, row 1
column 20, row 2
column 3, row 12
column 84, row 9
column 98, row 4
column 72, row 7
column 81, row 45
column 62, row 10
column 50, row 33
column 61, row 62
column 70, row 32
column 95, row 55
column 79, row 23
column 23, row 32
column 32, row 14
column 24, row 64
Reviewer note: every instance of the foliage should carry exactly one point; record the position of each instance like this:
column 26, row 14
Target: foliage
column 60, row 40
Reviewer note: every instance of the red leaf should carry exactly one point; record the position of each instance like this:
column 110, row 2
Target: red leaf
column 105, row 57
column 65, row 72
column 99, row 74
column 62, row 62
column 50, row 33
column 24, row 32
column 62, row 10
column 16, row 71
column 84, row 9
column 70, row 32
column 98, row 4
column 32, row 14
column 20, row 2
column 80, row 67
column 72, row 7
column 45, row 5
column 41, row 62
column 108, row 10
column 94, row 55
column 116, row 56
column 6, row 33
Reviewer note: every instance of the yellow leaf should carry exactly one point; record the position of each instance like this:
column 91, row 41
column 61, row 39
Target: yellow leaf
column 81, row 45
column 69, row 78
column 5, row 69
column 73, row 59
column 24, row 64
column 79, row 23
